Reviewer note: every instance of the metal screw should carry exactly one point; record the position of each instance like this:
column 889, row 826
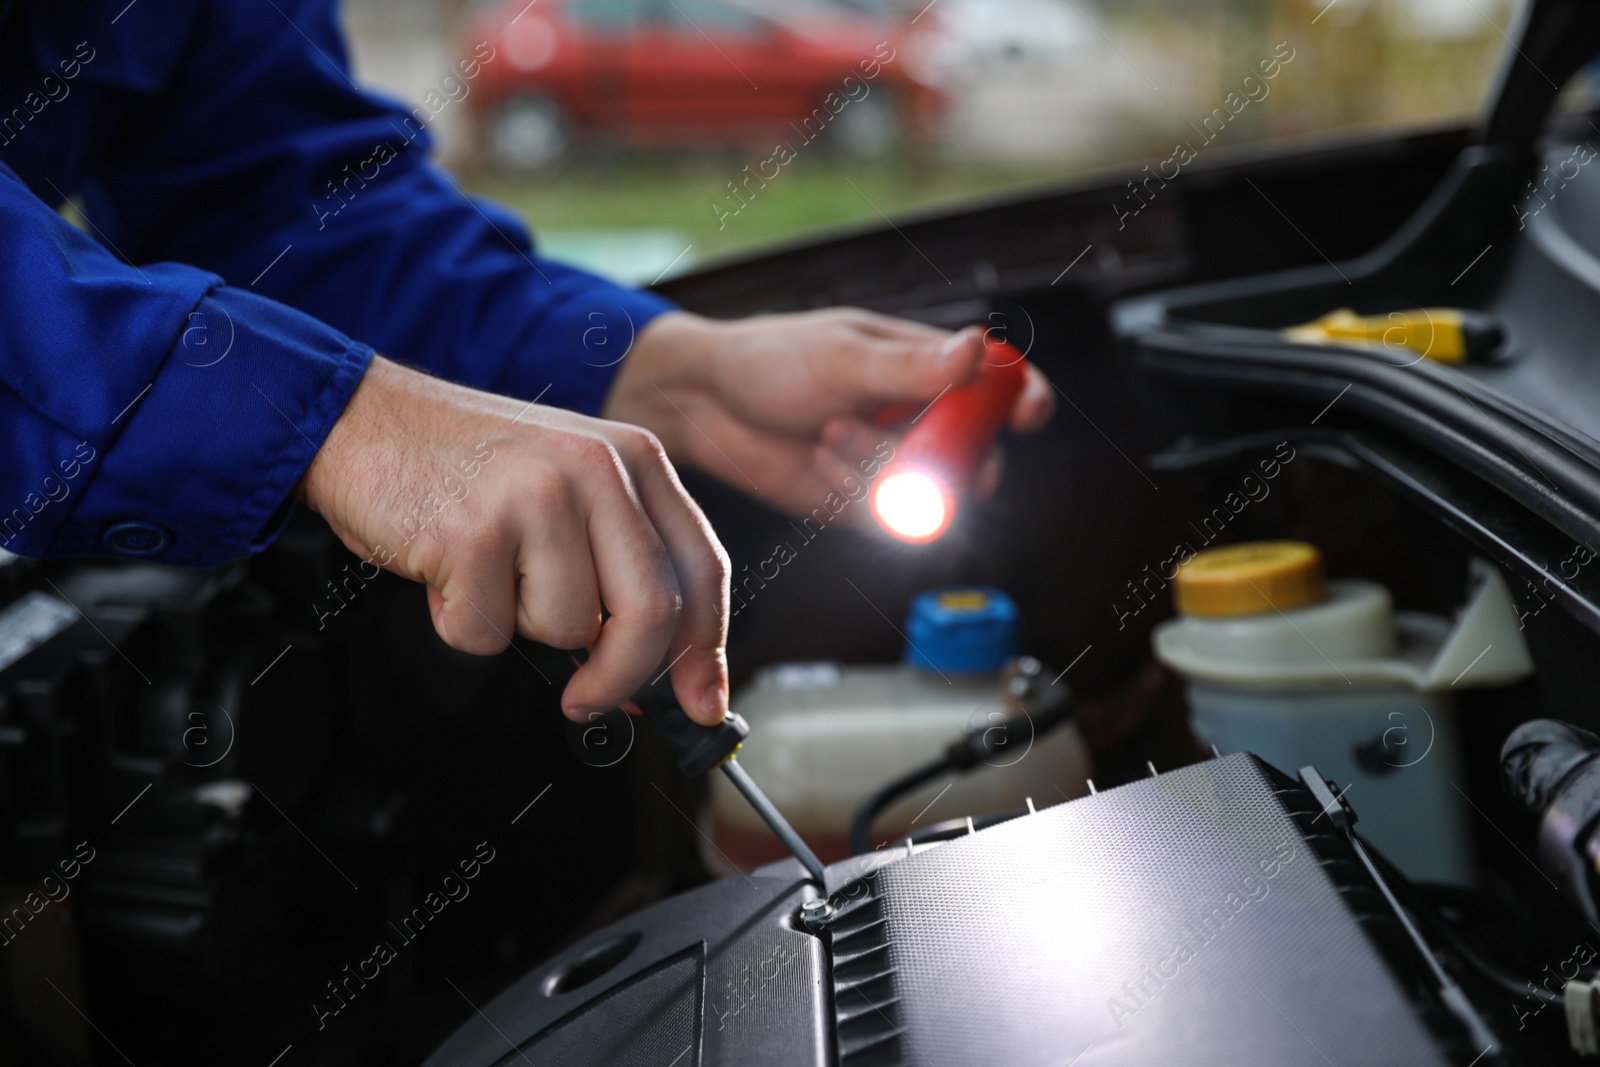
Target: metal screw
column 816, row 912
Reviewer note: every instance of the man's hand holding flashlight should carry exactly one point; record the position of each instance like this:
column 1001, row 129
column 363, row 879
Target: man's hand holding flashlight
column 783, row 406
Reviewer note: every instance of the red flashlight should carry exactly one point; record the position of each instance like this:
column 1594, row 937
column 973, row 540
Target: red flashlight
column 916, row 496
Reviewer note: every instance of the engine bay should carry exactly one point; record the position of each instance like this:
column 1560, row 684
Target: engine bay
column 1075, row 806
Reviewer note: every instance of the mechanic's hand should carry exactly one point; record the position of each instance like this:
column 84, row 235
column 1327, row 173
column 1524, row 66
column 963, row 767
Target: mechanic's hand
column 527, row 519
column 780, row 406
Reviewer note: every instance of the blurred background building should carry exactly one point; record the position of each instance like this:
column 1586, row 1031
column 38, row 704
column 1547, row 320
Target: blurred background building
column 643, row 136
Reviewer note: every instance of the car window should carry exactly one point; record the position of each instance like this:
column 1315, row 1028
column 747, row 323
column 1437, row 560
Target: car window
column 611, row 14
column 708, row 16
column 947, row 101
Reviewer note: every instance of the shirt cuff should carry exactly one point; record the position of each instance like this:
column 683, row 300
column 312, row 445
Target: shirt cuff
column 209, row 455
column 585, row 337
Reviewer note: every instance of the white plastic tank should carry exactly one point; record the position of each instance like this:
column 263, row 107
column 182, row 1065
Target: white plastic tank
column 1301, row 671
column 825, row 736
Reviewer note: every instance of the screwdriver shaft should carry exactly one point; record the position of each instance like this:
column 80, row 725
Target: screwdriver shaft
column 774, row 818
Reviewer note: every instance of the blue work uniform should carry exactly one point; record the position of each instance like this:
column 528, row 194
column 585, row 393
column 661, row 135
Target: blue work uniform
column 255, row 226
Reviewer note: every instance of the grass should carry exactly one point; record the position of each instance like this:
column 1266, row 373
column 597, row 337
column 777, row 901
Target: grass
column 809, row 195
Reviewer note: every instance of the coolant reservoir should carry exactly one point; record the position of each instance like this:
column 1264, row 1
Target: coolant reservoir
column 1301, row 671
column 825, row 736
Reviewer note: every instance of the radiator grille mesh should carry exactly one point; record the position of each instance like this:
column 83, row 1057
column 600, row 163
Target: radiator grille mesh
column 1182, row 919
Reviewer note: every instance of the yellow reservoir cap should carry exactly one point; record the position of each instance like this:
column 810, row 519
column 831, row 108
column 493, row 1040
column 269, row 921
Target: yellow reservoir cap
column 1249, row 579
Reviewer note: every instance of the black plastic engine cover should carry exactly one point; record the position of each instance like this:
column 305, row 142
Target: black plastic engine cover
column 1204, row 916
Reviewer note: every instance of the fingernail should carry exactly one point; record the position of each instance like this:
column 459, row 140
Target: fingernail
column 714, row 704
column 579, row 714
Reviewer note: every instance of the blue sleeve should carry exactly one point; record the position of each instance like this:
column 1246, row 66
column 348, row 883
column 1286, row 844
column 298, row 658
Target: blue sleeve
column 149, row 411
column 262, row 161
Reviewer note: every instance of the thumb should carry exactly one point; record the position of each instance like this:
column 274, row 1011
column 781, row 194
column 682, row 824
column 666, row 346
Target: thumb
column 910, row 369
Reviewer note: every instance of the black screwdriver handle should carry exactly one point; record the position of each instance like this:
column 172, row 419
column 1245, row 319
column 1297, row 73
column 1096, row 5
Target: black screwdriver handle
column 698, row 748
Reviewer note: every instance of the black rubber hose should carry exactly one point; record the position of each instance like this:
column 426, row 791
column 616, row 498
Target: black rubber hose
column 963, row 754
column 1412, row 896
column 861, row 825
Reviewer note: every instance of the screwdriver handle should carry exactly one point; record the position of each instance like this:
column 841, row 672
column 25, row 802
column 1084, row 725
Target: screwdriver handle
column 698, row 748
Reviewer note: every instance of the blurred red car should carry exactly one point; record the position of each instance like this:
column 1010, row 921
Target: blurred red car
column 692, row 73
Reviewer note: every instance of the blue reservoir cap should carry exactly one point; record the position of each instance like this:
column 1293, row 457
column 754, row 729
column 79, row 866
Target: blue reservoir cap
column 963, row 629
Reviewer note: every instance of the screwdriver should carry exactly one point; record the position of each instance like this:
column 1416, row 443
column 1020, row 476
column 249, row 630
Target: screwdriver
column 702, row 748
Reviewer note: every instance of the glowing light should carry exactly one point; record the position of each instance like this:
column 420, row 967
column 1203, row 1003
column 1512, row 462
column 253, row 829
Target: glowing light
column 912, row 506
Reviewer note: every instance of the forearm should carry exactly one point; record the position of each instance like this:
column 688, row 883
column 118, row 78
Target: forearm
column 149, row 411
column 264, row 164
column 456, row 288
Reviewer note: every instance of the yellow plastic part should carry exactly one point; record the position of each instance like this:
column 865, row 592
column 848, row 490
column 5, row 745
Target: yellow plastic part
column 1432, row 332
column 1249, row 579
column 963, row 600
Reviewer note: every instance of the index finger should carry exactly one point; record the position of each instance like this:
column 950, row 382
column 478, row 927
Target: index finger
column 640, row 589
column 696, row 655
